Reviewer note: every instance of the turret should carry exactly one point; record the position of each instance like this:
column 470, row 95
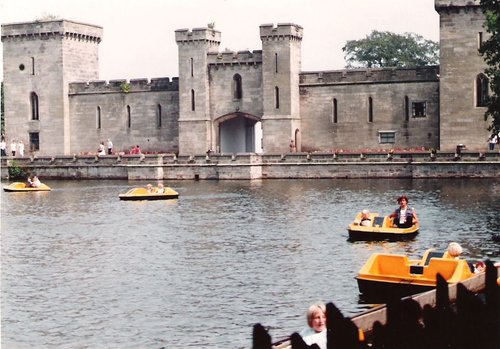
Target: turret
column 40, row 59
column 464, row 87
column 194, row 113
column 281, row 66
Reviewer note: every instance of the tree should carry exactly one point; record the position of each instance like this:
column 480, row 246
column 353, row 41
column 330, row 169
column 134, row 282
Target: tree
column 490, row 49
column 386, row 49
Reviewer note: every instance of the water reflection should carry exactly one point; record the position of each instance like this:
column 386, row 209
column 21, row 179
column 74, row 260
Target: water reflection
column 80, row 268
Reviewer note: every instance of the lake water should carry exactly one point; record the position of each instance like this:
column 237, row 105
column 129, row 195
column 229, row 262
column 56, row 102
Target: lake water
column 82, row 269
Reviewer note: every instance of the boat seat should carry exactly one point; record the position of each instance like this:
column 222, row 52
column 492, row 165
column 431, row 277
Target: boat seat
column 378, row 221
column 433, row 254
column 445, row 267
column 416, row 269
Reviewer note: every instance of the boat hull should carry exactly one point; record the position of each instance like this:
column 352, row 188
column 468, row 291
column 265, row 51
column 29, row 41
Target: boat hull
column 374, row 235
column 147, row 197
column 380, row 292
column 21, row 187
column 138, row 194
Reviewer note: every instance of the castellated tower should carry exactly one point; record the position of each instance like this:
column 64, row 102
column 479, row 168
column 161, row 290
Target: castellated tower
column 194, row 113
column 39, row 60
column 463, row 85
column 281, row 66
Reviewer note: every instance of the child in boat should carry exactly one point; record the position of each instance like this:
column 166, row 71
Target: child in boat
column 365, row 218
column 160, row 189
column 315, row 333
column 454, row 250
column 34, row 182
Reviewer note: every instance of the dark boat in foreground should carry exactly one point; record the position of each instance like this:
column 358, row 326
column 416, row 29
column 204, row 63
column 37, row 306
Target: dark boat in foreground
column 386, row 276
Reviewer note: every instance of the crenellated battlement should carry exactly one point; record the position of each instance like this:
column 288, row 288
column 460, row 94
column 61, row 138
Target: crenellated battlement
column 197, row 35
column 281, row 31
column 441, row 5
column 376, row 75
column 240, row 57
column 124, row 86
column 46, row 29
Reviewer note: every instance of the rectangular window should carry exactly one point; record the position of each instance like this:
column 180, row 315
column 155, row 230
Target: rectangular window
column 479, row 40
column 370, row 109
column 387, row 137
column 335, row 114
column 419, row 109
column 34, row 141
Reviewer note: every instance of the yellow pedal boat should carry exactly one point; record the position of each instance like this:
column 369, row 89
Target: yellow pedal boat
column 379, row 228
column 23, row 187
column 385, row 276
column 143, row 194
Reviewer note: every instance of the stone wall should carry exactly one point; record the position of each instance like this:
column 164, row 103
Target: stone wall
column 254, row 166
column 141, row 104
column 392, row 92
column 462, row 121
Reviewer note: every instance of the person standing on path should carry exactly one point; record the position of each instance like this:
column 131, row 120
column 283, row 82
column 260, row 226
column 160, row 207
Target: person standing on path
column 13, row 147
column 110, row 147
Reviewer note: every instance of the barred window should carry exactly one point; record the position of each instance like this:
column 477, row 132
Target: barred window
column 419, row 109
column 482, row 90
column 387, row 137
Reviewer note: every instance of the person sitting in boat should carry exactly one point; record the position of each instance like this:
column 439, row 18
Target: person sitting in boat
column 404, row 216
column 149, row 188
column 315, row 333
column 365, row 218
column 34, row 182
column 160, row 189
column 453, row 251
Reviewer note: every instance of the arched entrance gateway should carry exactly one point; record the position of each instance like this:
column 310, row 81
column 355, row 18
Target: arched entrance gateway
column 238, row 133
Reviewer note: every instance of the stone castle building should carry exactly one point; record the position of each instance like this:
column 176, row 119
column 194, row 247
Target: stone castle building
column 242, row 101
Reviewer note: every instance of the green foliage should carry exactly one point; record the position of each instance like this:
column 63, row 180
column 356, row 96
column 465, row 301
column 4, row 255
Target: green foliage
column 17, row 172
column 386, row 49
column 125, row 86
column 490, row 49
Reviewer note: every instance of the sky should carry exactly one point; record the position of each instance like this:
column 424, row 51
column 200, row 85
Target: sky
column 139, row 35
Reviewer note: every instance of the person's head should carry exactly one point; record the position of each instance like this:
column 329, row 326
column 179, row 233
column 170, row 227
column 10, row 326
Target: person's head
column 365, row 213
column 160, row 185
column 454, row 249
column 316, row 317
column 403, row 200
column 149, row 186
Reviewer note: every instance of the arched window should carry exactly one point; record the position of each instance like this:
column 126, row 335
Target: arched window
column 237, row 91
column 129, row 117
column 407, row 108
column 192, row 101
column 34, row 106
column 482, row 90
column 370, row 109
column 277, row 97
column 98, row 118
column 334, row 115
column 158, row 116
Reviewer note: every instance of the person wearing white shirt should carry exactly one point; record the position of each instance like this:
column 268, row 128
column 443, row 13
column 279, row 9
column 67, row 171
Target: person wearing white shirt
column 315, row 333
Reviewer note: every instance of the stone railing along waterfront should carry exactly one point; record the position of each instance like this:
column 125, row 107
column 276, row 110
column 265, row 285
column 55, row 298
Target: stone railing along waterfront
column 259, row 166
